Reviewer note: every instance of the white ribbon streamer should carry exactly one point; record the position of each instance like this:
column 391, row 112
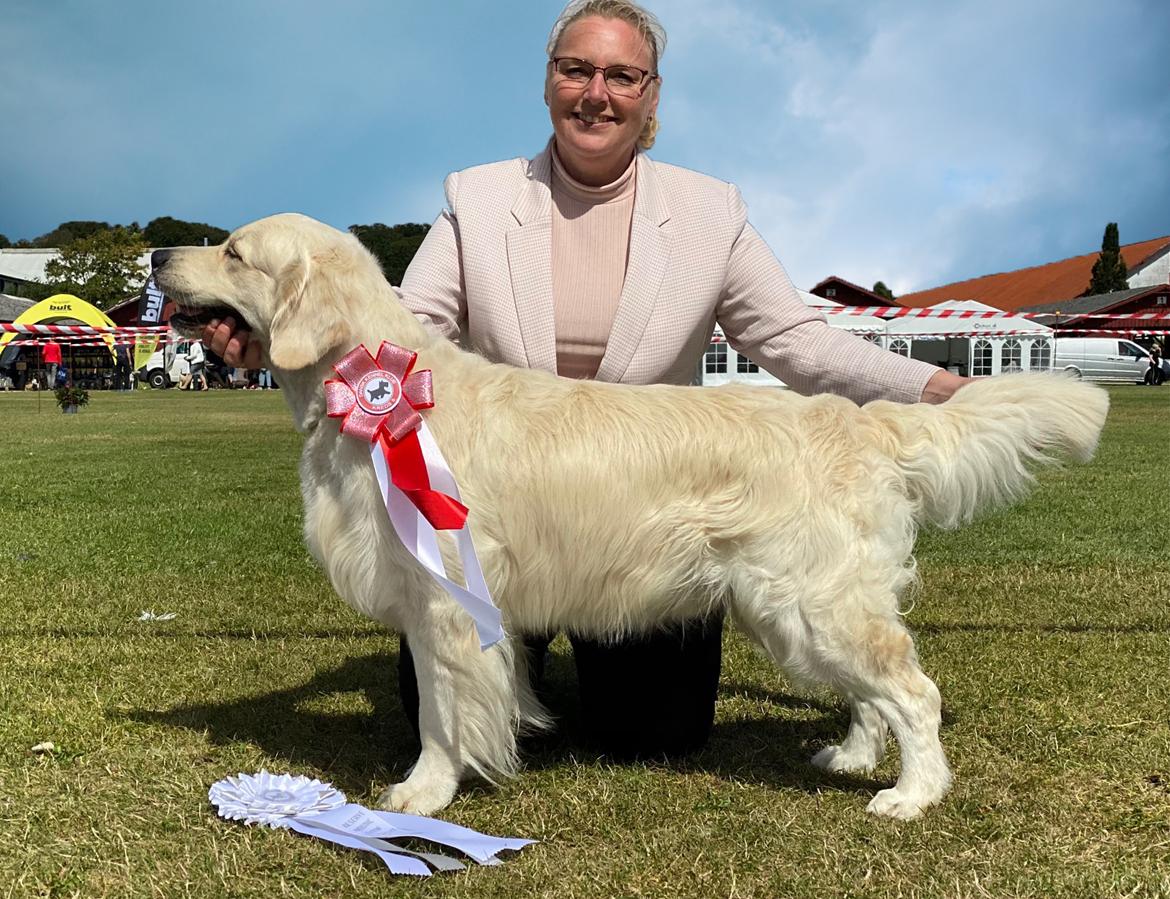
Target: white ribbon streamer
column 317, row 809
column 395, row 861
column 422, row 542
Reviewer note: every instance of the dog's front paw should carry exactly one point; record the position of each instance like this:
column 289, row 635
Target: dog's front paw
column 842, row 759
column 418, row 795
column 893, row 803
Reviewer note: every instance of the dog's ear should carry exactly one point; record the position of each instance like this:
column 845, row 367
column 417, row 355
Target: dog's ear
column 308, row 321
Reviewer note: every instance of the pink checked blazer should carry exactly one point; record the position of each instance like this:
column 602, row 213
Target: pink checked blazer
column 483, row 275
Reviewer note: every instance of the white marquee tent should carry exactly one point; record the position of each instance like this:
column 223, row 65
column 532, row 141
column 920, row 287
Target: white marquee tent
column 972, row 346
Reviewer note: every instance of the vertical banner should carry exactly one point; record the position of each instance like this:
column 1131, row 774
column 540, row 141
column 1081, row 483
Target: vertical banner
column 150, row 306
column 150, row 311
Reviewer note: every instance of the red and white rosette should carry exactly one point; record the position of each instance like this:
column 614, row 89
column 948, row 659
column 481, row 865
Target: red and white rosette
column 378, row 399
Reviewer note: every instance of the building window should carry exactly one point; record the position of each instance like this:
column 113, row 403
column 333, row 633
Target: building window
column 981, row 359
column 1160, row 300
column 715, row 361
column 901, row 347
column 1040, row 356
column 1011, row 355
column 745, row 366
column 830, row 291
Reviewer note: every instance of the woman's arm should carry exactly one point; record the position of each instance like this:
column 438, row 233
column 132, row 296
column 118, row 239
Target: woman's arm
column 764, row 318
column 433, row 287
column 942, row 386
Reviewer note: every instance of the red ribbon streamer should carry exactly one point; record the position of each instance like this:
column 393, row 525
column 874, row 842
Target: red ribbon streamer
column 408, row 472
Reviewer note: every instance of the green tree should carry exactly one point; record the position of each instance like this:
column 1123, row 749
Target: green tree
column 881, row 290
column 35, row 291
column 1109, row 271
column 393, row 245
column 4, row 242
column 170, row 232
column 102, row 268
column 67, row 232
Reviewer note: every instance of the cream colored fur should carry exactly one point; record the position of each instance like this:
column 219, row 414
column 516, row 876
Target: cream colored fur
column 615, row 509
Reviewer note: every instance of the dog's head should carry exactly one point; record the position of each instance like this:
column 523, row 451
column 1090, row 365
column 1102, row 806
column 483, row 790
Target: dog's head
column 286, row 278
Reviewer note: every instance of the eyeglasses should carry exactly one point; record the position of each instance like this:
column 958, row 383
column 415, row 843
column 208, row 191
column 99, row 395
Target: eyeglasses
column 625, row 81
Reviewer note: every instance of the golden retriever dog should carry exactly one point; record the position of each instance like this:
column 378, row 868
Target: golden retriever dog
column 608, row 509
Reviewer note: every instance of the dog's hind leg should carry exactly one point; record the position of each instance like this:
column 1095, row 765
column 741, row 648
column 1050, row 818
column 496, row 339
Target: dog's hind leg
column 864, row 745
column 910, row 703
column 853, row 644
column 874, row 662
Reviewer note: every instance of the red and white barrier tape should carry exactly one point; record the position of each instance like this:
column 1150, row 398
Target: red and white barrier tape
column 11, row 327
column 1100, row 332
column 1136, row 316
column 26, row 341
column 904, row 312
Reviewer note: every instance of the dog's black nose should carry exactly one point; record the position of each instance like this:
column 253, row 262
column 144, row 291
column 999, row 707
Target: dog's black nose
column 159, row 258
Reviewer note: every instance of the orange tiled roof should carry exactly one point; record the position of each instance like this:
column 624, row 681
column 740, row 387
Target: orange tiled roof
column 1049, row 283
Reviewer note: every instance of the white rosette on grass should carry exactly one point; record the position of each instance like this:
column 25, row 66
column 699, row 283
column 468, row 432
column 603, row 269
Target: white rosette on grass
column 272, row 799
column 315, row 809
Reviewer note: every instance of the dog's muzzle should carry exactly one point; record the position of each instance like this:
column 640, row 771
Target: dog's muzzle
column 190, row 320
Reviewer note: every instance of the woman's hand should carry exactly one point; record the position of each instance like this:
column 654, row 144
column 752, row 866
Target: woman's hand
column 942, row 386
column 231, row 345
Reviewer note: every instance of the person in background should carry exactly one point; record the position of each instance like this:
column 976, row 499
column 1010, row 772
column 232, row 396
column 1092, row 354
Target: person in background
column 197, row 359
column 264, row 379
column 122, row 366
column 216, row 371
column 1154, row 374
column 592, row 260
column 51, row 357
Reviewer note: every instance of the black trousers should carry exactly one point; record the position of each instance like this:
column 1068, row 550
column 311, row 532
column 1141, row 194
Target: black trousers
column 647, row 696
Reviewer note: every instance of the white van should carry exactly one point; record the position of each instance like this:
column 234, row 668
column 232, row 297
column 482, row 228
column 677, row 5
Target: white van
column 1101, row 358
column 166, row 365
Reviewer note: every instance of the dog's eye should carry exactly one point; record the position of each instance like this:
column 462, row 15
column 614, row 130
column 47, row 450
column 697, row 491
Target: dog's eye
column 231, row 252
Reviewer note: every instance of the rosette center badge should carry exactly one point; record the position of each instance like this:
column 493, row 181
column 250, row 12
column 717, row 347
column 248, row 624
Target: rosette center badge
column 378, row 392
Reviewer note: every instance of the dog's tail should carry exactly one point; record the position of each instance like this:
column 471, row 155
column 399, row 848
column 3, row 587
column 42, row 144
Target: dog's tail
column 974, row 451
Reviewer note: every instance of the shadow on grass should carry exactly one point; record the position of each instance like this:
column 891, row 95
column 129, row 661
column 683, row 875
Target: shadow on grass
column 354, row 748
column 379, row 745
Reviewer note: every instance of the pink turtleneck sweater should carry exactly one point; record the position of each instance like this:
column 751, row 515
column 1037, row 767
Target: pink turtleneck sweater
column 590, row 249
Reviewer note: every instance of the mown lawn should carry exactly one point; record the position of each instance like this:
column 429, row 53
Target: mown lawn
column 1047, row 627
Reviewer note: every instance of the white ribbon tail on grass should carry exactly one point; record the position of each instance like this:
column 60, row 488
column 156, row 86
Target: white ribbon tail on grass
column 317, row 809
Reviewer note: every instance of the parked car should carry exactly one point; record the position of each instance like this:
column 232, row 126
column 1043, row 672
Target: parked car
column 1101, row 358
column 166, row 365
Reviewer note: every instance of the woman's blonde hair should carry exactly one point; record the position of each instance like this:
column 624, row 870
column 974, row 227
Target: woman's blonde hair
column 628, row 11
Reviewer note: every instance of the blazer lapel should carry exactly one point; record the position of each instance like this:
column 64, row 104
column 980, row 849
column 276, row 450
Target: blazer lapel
column 529, row 246
column 649, row 257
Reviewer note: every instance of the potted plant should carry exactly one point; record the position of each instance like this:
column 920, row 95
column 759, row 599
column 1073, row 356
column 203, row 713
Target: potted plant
column 70, row 397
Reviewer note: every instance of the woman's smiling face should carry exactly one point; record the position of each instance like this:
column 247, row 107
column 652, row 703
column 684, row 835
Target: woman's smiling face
column 596, row 130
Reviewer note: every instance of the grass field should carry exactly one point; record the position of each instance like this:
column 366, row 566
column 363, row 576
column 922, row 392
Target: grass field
column 1047, row 628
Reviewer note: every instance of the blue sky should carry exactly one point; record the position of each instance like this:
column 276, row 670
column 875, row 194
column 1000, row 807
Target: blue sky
column 912, row 142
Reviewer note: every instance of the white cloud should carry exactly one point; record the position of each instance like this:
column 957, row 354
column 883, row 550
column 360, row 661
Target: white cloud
column 919, row 144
